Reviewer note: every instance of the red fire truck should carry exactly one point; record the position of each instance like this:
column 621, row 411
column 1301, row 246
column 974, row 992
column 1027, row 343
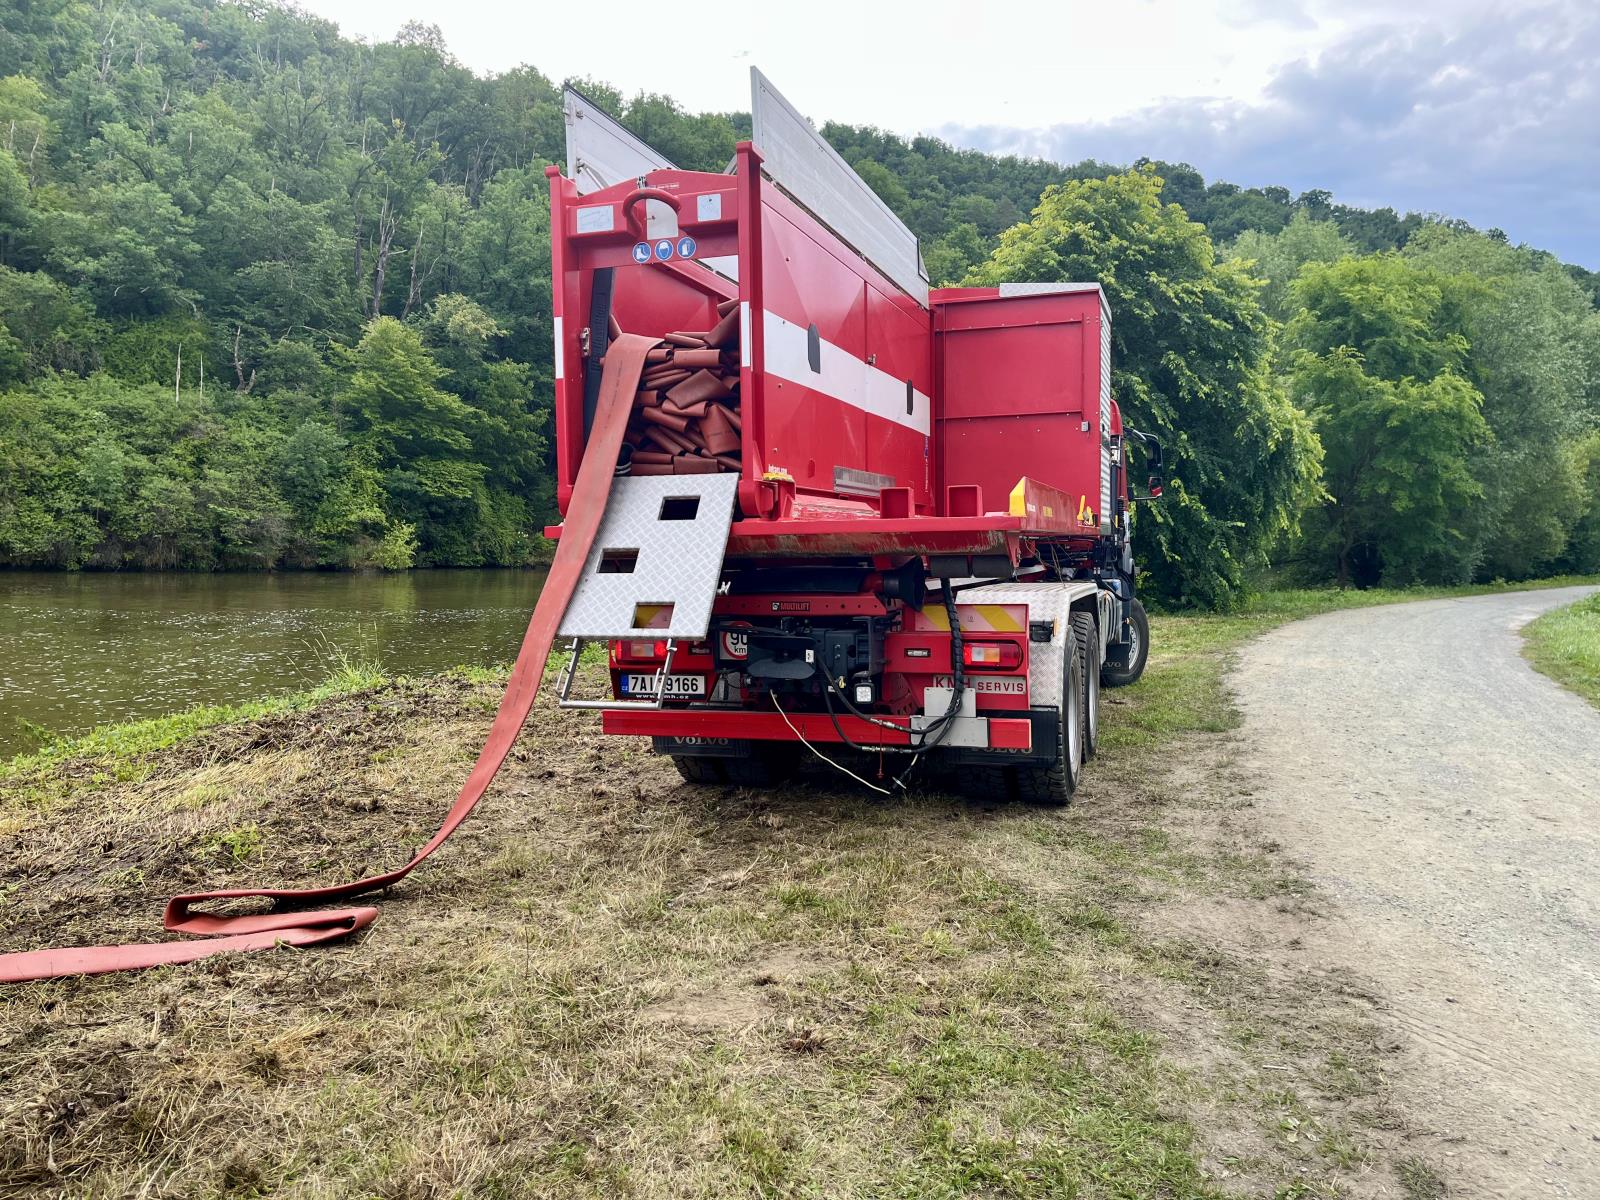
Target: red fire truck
column 852, row 516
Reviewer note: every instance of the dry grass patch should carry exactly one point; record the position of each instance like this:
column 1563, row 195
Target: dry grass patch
column 613, row 984
column 610, row 984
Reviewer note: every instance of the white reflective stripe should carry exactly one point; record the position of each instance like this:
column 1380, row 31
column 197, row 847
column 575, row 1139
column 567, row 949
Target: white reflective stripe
column 744, row 333
column 843, row 376
column 558, row 347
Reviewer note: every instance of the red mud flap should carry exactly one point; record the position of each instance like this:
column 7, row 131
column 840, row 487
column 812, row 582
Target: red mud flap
column 624, row 364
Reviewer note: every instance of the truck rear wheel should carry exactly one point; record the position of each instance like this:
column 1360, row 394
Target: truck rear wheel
column 1088, row 634
column 763, row 767
column 1053, row 785
column 1123, row 670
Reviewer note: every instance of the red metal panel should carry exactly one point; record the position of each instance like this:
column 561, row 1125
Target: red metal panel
column 732, row 723
column 808, row 431
column 900, row 346
column 1010, row 734
column 1013, row 369
column 812, row 605
column 1019, row 379
column 752, row 298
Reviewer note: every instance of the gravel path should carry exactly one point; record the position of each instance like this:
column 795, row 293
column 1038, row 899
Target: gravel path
column 1446, row 797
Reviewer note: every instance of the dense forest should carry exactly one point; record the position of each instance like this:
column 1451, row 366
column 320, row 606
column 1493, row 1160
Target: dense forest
column 273, row 298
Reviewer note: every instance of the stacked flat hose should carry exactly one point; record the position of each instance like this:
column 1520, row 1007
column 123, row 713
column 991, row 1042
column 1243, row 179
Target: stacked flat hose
column 685, row 418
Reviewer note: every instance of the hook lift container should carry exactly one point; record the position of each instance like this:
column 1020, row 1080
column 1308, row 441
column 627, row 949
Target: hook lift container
column 852, row 515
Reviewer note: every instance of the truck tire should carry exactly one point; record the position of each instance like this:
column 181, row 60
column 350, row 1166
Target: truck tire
column 763, row 767
column 1121, row 674
column 1087, row 631
column 988, row 784
column 1053, row 785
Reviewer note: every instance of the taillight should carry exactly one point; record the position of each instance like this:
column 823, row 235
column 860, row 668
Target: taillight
column 646, row 651
column 991, row 656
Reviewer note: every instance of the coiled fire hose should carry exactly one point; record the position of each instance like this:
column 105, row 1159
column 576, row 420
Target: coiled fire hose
column 686, row 413
column 626, row 361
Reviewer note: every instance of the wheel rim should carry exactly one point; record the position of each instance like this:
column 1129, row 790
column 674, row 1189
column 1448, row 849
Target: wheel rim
column 1133, row 645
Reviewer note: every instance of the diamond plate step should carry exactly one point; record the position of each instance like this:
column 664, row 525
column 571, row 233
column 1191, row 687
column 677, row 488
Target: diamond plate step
column 657, row 559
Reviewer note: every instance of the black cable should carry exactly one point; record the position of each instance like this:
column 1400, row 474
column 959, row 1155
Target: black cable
column 957, row 647
column 936, row 732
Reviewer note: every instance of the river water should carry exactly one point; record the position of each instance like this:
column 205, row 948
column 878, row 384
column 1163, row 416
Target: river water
column 81, row 650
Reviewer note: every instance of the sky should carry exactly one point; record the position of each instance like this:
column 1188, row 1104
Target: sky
column 1484, row 111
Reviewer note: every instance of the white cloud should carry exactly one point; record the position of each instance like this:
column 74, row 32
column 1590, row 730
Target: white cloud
column 1496, row 121
column 1482, row 109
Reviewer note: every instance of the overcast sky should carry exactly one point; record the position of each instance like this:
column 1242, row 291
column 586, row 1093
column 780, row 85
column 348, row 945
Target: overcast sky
column 1486, row 111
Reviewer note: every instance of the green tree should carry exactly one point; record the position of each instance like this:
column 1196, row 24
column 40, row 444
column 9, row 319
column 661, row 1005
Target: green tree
column 1378, row 353
column 1535, row 356
column 393, row 406
column 1276, row 258
column 954, row 255
column 1582, row 553
column 417, row 437
column 1190, row 348
column 1396, row 466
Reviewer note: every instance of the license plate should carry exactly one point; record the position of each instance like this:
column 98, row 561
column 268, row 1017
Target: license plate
column 679, row 687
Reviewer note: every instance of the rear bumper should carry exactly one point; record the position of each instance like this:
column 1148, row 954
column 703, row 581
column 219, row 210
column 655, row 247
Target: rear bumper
column 1005, row 733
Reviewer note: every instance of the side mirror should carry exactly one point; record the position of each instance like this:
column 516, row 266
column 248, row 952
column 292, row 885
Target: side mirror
column 1154, row 460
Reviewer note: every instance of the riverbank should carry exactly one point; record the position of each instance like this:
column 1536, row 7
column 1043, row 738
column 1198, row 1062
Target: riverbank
column 1565, row 645
column 610, row 983
column 88, row 651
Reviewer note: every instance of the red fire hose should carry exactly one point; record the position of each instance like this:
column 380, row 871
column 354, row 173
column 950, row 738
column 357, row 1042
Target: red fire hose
column 624, row 365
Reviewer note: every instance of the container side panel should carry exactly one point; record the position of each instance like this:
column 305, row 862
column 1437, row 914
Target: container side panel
column 1104, row 431
column 1020, row 395
column 1026, row 369
column 809, row 377
column 899, row 444
column 995, row 452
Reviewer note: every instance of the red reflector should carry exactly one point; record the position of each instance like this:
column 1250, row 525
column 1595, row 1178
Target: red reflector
column 1010, row 734
column 993, row 656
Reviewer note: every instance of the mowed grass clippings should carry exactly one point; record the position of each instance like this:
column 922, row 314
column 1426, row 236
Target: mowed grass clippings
column 1565, row 645
column 608, row 984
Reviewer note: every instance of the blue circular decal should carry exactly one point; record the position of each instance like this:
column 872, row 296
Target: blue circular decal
column 641, row 252
column 664, row 249
column 686, row 247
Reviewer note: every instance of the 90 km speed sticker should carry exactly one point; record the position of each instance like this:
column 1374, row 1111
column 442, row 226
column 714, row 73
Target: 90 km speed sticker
column 735, row 643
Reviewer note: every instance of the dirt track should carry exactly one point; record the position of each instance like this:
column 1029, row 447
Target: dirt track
column 1444, row 796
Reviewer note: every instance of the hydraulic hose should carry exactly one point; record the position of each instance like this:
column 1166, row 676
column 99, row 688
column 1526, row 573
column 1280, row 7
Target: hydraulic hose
column 939, row 728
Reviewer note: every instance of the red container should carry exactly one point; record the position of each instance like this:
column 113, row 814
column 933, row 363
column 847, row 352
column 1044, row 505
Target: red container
column 856, row 401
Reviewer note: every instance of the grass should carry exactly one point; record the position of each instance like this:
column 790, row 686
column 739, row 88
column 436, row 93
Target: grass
column 136, row 740
column 1565, row 645
column 611, row 984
